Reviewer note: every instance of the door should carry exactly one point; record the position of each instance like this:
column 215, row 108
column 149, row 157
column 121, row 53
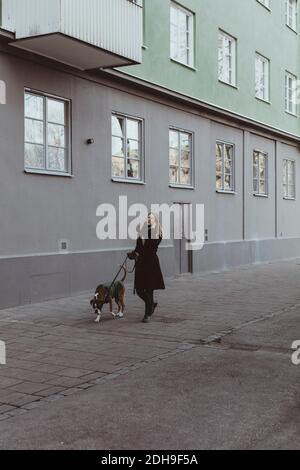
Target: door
column 183, row 256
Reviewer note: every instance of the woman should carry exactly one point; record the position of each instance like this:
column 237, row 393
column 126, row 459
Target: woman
column 148, row 275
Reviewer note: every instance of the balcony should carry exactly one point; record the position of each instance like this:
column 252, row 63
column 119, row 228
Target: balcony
column 86, row 34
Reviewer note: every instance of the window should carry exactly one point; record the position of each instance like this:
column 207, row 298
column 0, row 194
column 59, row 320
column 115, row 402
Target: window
column 126, row 148
column 227, row 59
column 289, row 179
column 182, row 35
column 262, row 78
column 260, row 173
column 224, row 167
column 291, row 13
column 46, row 134
column 180, row 157
column 290, row 93
column 265, row 3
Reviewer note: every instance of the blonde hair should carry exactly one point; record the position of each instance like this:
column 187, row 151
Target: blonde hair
column 158, row 231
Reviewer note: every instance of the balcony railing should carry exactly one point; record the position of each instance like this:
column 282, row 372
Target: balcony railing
column 82, row 33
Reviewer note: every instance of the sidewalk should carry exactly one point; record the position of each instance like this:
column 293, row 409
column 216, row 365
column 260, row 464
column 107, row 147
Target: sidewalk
column 246, row 320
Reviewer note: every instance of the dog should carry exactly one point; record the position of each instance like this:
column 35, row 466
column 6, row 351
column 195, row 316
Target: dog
column 106, row 293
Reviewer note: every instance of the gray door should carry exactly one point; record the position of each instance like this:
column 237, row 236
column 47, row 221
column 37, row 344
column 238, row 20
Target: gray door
column 183, row 256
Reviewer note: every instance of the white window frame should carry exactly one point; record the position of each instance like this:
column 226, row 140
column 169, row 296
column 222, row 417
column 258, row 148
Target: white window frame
column 265, row 3
column 190, row 28
column 265, row 156
column 178, row 166
column 265, row 78
column 289, row 190
column 232, row 58
column 230, row 190
column 291, row 94
column 291, row 14
column 125, row 178
column 68, row 141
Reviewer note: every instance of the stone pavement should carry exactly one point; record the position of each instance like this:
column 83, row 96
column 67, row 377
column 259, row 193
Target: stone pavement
column 55, row 353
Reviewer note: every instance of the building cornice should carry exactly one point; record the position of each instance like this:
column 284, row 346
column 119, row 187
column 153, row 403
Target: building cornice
column 207, row 109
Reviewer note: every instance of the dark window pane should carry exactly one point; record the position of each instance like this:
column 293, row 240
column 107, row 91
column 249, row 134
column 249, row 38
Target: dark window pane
column 133, row 169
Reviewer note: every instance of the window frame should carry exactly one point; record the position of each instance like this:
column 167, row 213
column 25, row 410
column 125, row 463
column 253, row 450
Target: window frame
column 68, row 133
column 265, row 3
column 232, row 190
column 267, row 84
column 294, row 112
column 286, row 187
column 190, row 50
column 258, row 179
column 233, row 55
column 141, row 122
column 294, row 24
column 191, row 139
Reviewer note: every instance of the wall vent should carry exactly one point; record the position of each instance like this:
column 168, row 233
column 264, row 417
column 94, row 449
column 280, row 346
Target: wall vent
column 63, row 245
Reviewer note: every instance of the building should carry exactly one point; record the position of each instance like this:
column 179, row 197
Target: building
column 84, row 83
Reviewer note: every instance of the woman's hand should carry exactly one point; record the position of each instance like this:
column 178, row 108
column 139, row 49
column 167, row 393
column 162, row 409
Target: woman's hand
column 132, row 255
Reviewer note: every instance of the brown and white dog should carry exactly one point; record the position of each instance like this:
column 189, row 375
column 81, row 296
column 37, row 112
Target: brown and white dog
column 105, row 294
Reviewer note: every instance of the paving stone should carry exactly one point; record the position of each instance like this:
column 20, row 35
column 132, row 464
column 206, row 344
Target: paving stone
column 29, row 387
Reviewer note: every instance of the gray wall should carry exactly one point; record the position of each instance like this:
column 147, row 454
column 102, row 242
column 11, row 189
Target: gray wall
column 37, row 210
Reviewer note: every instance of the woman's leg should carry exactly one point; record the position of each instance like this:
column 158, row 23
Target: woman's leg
column 149, row 302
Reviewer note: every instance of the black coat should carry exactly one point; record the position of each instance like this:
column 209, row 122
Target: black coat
column 148, row 274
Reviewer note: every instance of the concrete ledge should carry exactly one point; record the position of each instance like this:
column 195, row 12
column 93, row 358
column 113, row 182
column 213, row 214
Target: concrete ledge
column 221, row 256
column 31, row 279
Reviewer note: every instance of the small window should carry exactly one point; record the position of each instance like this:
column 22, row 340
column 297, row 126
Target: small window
column 262, row 81
column 227, row 59
column 127, row 148
column 46, row 134
column 180, row 157
column 265, row 3
column 291, row 93
column 291, row 13
column 182, row 35
column 225, row 167
column 260, row 173
column 289, row 179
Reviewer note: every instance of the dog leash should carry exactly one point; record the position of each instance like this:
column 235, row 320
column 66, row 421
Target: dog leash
column 116, row 277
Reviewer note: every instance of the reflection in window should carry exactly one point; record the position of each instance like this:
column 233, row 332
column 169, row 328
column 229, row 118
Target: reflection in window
column 46, row 138
column 182, row 35
column 260, row 173
column 126, row 148
column 180, row 157
column 224, row 167
column 227, row 59
column 289, row 179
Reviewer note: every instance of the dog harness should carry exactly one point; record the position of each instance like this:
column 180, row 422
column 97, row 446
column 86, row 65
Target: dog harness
column 112, row 289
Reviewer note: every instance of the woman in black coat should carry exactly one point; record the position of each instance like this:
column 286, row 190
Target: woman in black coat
column 148, row 275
